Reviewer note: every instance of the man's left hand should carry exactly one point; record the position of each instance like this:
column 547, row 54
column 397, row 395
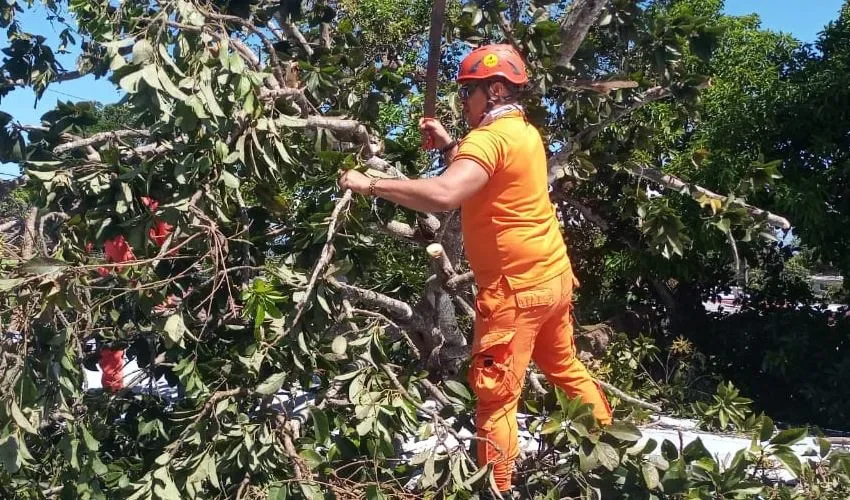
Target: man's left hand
column 355, row 181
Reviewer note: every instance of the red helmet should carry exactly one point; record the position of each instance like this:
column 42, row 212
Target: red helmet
column 493, row 60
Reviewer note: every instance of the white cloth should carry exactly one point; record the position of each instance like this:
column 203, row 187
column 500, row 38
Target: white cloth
column 498, row 112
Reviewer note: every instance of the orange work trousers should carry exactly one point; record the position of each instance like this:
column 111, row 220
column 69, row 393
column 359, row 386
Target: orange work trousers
column 513, row 327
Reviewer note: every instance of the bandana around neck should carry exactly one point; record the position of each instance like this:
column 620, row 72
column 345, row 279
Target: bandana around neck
column 498, row 112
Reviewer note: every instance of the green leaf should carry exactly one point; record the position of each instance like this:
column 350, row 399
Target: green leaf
column 695, row 450
column 339, row 345
column 91, row 443
column 475, row 481
column 320, row 425
column 313, row 459
column 824, row 446
column 650, row 475
column 130, row 83
column 608, row 456
column 374, row 493
column 168, row 85
column 210, row 100
column 9, row 283
column 458, row 389
column 229, row 179
column 10, row 459
column 151, row 77
column 175, row 328
column 789, row 460
column 766, row 428
column 278, row 492
column 789, row 436
column 272, row 384
column 20, row 419
column 142, row 52
column 43, row 265
column 669, row 450
column 624, row 431
column 311, row 491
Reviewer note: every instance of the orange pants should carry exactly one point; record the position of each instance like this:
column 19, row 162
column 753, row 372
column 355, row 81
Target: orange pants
column 513, row 327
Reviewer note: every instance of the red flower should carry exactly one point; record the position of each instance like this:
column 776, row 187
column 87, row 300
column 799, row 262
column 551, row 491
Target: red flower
column 118, row 250
column 160, row 231
column 149, row 202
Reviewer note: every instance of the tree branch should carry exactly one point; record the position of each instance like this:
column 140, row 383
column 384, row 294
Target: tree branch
column 28, row 245
column 61, row 77
column 99, row 139
column 395, row 307
column 585, row 211
column 629, row 399
column 678, row 185
column 580, row 16
column 558, row 161
column 600, row 86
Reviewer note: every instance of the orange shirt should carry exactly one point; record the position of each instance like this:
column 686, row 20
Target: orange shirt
column 509, row 227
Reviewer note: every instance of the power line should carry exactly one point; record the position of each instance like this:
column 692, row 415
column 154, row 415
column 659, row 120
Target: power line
column 67, row 94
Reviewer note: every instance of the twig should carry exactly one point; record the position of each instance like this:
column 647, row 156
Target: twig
column 324, row 258
column 362, row 312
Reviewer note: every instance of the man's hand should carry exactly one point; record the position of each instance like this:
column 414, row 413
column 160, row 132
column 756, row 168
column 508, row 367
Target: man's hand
column 355, row 181
column 434, row 135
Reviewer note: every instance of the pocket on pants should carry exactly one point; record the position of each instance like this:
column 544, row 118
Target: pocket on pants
column 489, row 300
column 492, row 376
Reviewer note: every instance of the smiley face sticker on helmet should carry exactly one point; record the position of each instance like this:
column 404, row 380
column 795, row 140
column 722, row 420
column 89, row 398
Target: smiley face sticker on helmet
column 490, row 60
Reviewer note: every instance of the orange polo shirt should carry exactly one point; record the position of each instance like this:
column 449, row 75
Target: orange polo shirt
column 509, row 227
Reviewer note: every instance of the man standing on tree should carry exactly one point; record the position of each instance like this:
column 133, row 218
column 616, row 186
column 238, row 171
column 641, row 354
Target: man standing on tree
column 498, row 177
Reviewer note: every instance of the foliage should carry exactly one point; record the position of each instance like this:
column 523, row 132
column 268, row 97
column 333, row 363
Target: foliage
column 729, row 408
column 301, row 330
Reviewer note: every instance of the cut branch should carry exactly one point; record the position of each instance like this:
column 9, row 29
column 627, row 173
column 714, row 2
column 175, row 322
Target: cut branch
column 579, row 18
column 460, row 280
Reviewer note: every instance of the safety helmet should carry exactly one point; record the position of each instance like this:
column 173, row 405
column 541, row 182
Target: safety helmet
column 489, row 61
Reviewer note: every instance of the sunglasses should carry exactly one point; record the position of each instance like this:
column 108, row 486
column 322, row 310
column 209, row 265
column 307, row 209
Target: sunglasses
column 464, row 91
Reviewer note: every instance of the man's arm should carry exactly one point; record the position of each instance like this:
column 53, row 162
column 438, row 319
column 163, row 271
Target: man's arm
column 461, row 180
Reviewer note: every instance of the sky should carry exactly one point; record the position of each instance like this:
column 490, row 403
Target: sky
column 802, row 19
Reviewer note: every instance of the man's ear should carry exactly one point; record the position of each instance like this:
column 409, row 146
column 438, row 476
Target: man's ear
column 498, row 90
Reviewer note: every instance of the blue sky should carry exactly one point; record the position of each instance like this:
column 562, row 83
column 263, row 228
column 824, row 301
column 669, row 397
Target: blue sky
column 802, row 19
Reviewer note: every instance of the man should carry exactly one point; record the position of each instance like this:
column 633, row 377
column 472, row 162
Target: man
column 497, row 175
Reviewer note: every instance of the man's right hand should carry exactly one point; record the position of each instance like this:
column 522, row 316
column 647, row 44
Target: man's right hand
column 434, row 135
